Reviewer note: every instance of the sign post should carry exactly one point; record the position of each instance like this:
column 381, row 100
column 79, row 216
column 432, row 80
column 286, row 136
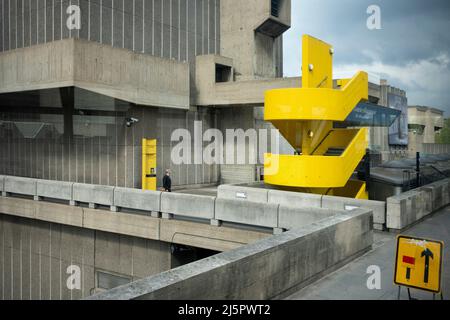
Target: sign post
column 418, row 264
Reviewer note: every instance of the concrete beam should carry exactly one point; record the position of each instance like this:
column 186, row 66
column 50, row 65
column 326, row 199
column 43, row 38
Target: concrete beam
column 93, row 194
column 246, row 212
column 149, row 201
column 295, row 217
column 119, row 73
column 171, row 231
column 295, row 199
column 234, row 192
column 339, row 203
column 54, row 189
column 19, row 185
column 187, row 205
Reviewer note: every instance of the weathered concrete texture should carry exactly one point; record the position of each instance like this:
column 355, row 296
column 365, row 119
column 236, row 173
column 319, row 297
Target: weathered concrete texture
column 93, row 194
column 54, row 189
column 246, row 212
column 410, row 207
column 19, row 185
column 188, row 205
column 378, row 207
column 271, row 268
column 2, row 183
column 35, row 257
column 242, row 193
column 294, row 199
column 118, row 73
column 149, row 201
column 294, row 217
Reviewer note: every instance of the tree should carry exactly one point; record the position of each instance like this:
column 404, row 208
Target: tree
column 443, row 136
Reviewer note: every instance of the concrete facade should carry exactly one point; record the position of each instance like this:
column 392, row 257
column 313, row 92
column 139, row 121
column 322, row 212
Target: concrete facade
column 36, row 256
column 129, row 59
column 424, row 124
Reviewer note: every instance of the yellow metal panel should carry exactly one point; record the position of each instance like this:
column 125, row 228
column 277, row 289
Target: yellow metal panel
column 316, row 171
column 316, row 104
column 419, row 263
column 149, row 173
column 317, row 70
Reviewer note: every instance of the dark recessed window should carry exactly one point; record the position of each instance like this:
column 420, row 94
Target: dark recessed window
column 275, row 11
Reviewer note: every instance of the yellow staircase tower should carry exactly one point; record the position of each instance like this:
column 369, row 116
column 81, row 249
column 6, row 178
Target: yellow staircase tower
column 326, row 156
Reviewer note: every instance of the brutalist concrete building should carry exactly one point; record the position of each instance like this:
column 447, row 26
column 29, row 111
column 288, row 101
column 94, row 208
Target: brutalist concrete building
column 73, row 72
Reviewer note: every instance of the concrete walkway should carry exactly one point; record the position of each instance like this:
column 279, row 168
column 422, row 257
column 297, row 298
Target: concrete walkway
column 349, row 282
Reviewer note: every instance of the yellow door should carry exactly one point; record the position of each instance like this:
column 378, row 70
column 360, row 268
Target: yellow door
column 149, row 174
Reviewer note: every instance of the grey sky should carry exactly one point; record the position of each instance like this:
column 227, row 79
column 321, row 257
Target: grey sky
column 411, row 51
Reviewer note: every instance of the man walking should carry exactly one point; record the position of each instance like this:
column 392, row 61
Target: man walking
column 167, row 182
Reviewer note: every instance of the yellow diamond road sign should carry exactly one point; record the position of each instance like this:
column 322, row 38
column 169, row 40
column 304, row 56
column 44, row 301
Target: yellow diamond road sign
column 419, row 263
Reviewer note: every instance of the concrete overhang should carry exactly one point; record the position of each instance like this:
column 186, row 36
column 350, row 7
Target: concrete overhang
column 242, row 93
column 118, row 73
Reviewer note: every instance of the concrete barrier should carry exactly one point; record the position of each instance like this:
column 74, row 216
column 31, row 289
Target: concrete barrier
column 54, row 189
column 439, row 193
column 246, row 212
column 293, row 217
column 187, row 205
column 242, row 193
column 269, row 269
column 149, row 201
column 409, row 207
column 19, row 185
column 378, row 208
column 2, row 184
column 295, row 199
column 93, row 195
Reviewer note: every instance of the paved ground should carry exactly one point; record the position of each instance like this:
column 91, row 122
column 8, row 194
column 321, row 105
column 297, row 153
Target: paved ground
column 349, row 282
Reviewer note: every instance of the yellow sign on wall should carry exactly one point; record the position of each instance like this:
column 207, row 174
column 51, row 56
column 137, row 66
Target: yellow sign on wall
column 149, row 174
column 419, row 263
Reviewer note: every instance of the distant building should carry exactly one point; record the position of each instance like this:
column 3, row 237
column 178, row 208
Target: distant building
column 423, row 123
column 391, row 143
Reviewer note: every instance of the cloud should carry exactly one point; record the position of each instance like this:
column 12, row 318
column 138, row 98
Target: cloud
column 424, row 80
column 412, row 51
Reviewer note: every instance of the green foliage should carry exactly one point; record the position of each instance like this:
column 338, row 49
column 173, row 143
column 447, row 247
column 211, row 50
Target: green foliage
column 444, row 135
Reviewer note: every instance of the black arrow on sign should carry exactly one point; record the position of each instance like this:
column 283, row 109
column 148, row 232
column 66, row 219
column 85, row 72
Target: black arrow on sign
column 427, row 254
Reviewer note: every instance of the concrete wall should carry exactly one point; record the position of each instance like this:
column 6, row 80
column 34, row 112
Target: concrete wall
column 117, row 73
column 271, row 268
column 170, row 29
column 407, row 208
column 255, row 54
column 109, row 158
column 35, row 255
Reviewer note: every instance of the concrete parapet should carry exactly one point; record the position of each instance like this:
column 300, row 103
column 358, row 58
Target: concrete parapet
column 294, row 199
column 439, row 193
column 93, row 194
column 246, row 212
column 409, row 207
column 149, row 201
column 272, row 268
column 378, row 207
column 187, row 205
column 294, row 217
column 19, row 185
column 242, row 193
column 54, row 189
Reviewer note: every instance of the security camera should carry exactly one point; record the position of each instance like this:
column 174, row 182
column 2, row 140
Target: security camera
column 131, row 121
